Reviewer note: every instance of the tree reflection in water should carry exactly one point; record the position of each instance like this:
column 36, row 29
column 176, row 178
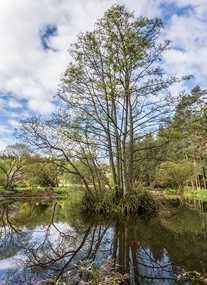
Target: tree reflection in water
column 151, row 252
column 12, row 238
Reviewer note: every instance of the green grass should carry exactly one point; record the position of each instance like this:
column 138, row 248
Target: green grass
column 67, row 190
column 73, row 192
column 196, row 194
column 22, row 188
column 188, row 193
column 1, row 190
column 172, row 191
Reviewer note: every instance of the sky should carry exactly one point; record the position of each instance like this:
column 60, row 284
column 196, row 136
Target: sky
column 36, row 34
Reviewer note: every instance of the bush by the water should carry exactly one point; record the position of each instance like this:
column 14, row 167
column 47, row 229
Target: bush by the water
column 137, row 203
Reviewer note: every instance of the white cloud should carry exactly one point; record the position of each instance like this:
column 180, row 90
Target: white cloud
column 26, row 69
column 4, row 130
column 148, row 8
column 29, row 72
column 5, row 142
column 41, row 106
column 188, row 55
column 13, row 103
column 13, row 123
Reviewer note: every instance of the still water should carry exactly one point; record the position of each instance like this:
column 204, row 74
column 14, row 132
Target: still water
column 46, row 239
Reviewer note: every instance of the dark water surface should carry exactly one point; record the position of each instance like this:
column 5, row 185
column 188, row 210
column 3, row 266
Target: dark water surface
column 40, row 240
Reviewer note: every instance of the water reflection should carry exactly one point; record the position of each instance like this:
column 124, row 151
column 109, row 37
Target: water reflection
column 45, row 240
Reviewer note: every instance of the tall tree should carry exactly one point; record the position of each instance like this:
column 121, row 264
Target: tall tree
column 115, row 94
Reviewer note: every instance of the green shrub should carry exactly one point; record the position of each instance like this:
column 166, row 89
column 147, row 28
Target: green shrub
column 61, row 191
column 142, row 203
column 22, row 186
column 171, row 191
column 137, row 203
column 1, row 190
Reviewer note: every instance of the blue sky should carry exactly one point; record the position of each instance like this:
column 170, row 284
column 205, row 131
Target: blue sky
column 35, row 36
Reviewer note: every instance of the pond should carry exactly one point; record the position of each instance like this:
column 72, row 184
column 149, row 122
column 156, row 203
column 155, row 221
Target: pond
column 46, row 239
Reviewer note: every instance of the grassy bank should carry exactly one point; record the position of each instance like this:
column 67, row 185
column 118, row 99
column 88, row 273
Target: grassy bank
column 141, row 202
column 189, row 193
column 72, row 192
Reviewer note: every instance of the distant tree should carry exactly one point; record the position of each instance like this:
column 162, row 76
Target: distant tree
column 189, row 132
column 177, row 173
column 13, row 160
column 43, row 171
column 145, row 160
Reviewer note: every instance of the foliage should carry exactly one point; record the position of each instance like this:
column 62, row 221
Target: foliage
column 190, row 140
column 27, row 183
column 13, row 161
column 150, row 153
column 176, row 173
column 69, row 178
column 138, row 203
column 171, row 191
column 1, row 190
column 42, row 171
